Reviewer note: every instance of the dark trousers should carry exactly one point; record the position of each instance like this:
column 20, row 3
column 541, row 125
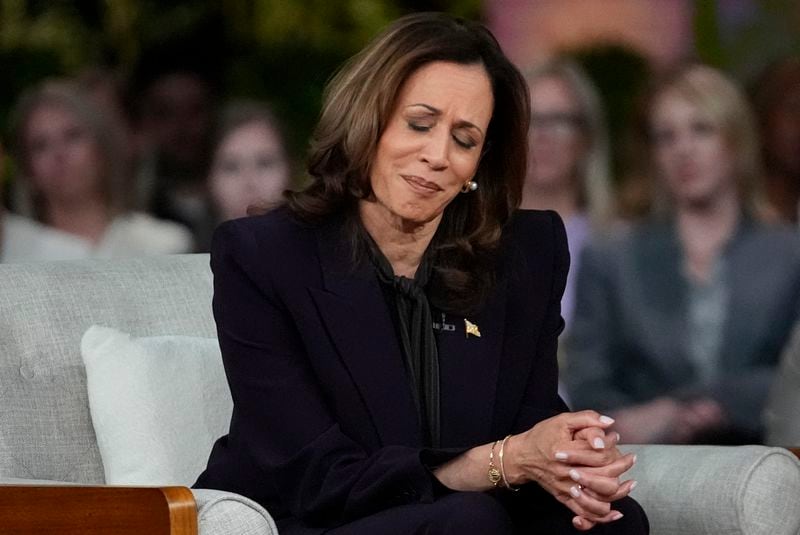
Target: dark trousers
column 529, row 512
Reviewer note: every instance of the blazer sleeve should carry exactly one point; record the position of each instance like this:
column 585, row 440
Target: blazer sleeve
column 592, row 344
column 540, row 399
column 285, row 448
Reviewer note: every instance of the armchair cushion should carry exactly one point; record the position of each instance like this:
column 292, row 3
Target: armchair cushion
column 157, row 404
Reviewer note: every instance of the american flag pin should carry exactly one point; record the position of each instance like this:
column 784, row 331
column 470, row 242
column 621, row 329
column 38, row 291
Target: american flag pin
column 471, row 328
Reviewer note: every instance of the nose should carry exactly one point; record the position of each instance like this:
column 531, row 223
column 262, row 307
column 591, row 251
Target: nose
column 435, row 151
column 684, row 143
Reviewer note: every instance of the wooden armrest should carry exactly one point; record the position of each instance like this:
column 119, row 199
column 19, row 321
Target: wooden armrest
column 29, row 509
column 796, row 451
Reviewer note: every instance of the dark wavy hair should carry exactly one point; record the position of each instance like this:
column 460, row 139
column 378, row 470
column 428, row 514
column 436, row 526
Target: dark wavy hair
column 357, row 105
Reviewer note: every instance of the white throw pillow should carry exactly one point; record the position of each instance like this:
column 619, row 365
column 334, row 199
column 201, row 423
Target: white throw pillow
column 157, row 404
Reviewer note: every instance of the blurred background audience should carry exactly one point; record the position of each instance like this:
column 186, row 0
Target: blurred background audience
column 174, row 103
column 683, row 283
column 250, row 166
column 568, row 158
column 22, row 239
column 679, row 321
column 73, row 176
column 776, row 95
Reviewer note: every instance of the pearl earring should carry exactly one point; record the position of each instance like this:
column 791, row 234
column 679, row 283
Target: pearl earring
column 469, row 186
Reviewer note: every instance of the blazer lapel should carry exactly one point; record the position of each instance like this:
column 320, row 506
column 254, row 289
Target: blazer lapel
column 469, row 359
column 353, row 308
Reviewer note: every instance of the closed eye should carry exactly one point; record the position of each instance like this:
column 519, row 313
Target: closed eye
column 419, row 127
column 464, row 143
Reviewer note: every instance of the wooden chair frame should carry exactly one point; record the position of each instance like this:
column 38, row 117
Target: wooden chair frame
column 87, row 510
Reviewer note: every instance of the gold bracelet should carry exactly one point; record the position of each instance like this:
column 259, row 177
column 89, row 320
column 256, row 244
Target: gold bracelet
column 494, row 474
column 502, row 468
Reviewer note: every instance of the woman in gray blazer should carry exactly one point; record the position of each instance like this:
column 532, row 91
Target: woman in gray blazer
column 679, row 320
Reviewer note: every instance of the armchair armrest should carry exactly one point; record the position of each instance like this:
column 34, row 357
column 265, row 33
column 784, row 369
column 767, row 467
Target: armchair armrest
column 73, row 510
column 707, row 490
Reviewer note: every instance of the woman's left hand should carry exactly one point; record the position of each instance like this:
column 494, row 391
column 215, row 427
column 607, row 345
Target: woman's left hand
column 596, row 482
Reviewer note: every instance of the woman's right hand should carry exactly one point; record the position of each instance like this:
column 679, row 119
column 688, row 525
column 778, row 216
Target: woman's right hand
column 572, row 457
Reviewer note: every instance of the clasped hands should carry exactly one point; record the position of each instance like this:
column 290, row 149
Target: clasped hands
column 573, row 458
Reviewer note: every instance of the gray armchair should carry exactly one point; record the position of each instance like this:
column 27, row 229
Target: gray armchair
column 47, row 437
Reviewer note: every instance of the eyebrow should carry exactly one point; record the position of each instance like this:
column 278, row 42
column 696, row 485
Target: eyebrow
column 437, row 111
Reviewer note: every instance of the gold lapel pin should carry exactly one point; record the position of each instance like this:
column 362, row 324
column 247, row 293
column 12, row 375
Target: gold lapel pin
column 471, row 328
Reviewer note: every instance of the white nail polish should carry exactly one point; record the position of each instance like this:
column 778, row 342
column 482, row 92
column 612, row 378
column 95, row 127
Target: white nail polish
column 607, row 420
column 619, row 438
column 633, row 485
column 575, row 492
column 577, row 522
column 561, row 456
column 634, row 458
column 574, row 475
column 617, row 516
column 598, row 443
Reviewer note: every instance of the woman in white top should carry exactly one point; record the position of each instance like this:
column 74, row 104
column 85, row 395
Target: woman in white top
column 72, row 177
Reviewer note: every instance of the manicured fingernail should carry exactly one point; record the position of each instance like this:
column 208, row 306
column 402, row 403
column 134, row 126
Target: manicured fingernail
column 577, row 522
column 561, row 456
column 619, row 437
column 598, row 443
column 574, row 491
column 574, row 475
column 633, row 484
column 617, row 516
column 607, row 420
column 634, row 458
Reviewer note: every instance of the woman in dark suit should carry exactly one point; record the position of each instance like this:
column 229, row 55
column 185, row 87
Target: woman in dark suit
column 390, row 335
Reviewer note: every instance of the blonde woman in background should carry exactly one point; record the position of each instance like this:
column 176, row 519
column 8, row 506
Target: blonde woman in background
column 73, row 174
column 568, row 158
column 679, row 321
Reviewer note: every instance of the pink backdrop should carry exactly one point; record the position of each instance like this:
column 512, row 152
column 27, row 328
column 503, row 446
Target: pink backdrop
column 532, row 30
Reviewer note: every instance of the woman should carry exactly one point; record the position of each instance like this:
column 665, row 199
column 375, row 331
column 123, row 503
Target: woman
column 73, row 173
column 390, row 337
column 679, row 322
column 568, row 158
column 250, row 164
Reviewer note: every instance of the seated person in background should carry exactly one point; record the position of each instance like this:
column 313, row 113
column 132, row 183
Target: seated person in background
column 73, row 177
column 390, row 335
column 782, row 415
column 174, row 90
column 24, row 240
column 680, row 320
column 250, row 165
column 776, row 98
column 567, row 162
column 568, row 159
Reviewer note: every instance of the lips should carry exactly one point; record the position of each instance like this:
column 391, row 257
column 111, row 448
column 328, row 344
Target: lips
column 687, row 172
column 421, row 185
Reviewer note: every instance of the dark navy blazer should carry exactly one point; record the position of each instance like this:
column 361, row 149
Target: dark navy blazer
column 324, row 428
